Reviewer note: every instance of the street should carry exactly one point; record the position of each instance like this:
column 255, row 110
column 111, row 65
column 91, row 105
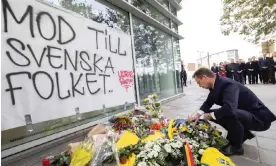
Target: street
column 259, row 151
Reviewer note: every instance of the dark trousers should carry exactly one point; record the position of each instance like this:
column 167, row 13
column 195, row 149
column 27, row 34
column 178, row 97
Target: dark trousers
column 260, row 76
column 265, row 75
column 240, row 124
column 244, row 77
column 250, row 77
column 272, row 77
column 240, row 78
column 185, row 81
column 255, row 77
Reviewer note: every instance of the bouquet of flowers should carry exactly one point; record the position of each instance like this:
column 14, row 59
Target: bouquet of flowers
column 153, row 106
column 159, row 152
column 200, row 136
column 121, row 123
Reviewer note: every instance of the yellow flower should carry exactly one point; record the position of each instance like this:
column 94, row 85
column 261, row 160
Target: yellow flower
column 171, row 129
column 154, row 96
column 146, row 100
column 184, row 128
column 216, row 133
column 204, row 126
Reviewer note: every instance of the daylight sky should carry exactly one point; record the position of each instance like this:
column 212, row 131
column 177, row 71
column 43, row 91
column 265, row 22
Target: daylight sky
column 201, row 31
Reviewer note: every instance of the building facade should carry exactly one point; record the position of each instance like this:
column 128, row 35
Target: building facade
column 153, row 27
column 208, row 59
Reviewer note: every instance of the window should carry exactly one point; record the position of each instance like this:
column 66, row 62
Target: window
column 99, row 11
column 164, row 3
column 151, row 11
column 174, row 27
column 154, row 60
column 173, row 11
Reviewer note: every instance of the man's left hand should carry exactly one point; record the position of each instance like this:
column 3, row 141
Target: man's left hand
column 207, row 116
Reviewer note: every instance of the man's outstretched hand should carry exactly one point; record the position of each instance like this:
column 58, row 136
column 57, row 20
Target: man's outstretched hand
column 207, row 116
column 194, row 118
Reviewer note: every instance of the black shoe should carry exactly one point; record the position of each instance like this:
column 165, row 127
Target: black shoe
column 232, row 150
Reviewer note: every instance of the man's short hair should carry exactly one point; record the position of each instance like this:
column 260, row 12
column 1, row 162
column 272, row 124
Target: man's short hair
column 204, row 71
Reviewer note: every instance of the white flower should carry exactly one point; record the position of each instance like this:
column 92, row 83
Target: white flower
column 168, row 148
column 201, row 151
column 157, row 148
column 206, row 135
column 149, row 145
column 142, row 163
column 134, row 120
column 155, row 154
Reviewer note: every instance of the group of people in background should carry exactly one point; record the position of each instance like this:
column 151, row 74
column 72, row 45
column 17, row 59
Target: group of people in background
column 262, row 69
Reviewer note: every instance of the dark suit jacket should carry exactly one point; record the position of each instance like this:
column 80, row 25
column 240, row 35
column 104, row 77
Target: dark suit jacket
column 231, row 96
column 215, row 69
column 272, row 64
column 264, row 63
column 249, row 66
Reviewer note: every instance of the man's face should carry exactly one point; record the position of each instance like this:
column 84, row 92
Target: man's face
column 232, row 61
column 253, row 58
column 249, row 59
column 274, row 54
column 214, row 64
column 203, row 82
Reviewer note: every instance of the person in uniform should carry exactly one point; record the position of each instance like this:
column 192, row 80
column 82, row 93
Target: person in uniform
column 250, row 69
column 264, row 65
column 256, row 70
column 273, row 68
column 260, row 71
column 244, row 71
column 241, row 69
column 232, row 70
column 240, row 113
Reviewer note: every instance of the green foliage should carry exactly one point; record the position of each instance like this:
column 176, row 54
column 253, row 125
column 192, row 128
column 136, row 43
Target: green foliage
column 254, row 19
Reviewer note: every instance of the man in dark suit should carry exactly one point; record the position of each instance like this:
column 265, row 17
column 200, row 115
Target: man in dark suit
column 244, row 71
column 250, row 71
column 241, row 110
column 241, row 70
column 273, row 68
column 232, row 69
column 215, row 68
column 256, row 70
column 264, row 65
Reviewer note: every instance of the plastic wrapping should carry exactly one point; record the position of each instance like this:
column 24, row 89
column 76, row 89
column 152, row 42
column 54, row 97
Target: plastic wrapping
column 104, row 149
column 82, row 155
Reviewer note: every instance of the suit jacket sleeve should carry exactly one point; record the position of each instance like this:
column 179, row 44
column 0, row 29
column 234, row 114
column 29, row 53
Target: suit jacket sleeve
column 207, row 104
column 230, row 101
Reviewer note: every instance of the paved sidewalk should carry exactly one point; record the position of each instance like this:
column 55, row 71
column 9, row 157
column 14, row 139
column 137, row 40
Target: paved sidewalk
column 260, row 151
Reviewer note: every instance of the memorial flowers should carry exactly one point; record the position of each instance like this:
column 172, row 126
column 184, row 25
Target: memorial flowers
column 200, row 136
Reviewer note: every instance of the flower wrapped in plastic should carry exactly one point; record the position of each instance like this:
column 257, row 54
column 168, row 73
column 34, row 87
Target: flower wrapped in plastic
column 82, row 155
column 105, row 149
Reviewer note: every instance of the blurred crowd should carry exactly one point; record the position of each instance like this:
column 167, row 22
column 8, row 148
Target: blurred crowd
column 254, row 70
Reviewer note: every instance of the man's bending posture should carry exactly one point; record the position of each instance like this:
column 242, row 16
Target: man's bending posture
column 241, row 110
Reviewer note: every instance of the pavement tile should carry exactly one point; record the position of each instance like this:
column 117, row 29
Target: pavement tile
column 267, row 157
column 252, row 142
column 267, row 143
column 267, row 134
column 251, row 152
column 240, row 161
